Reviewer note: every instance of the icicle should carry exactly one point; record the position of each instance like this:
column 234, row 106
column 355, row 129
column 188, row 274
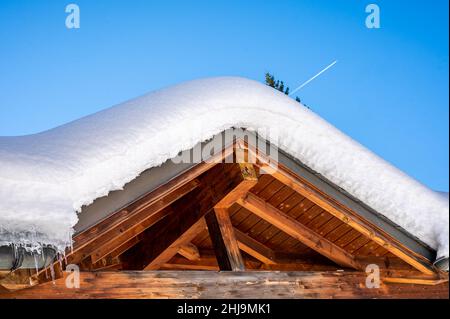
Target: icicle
column 34, row 246
column 36, row 265
column 65, row 257
column 52, row 273
column 60, row 260
column 14, row 249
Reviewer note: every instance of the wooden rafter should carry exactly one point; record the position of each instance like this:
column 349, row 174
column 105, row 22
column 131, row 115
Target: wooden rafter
column 338, row 210
column 124, row 247
column 131, row 229
column 86, row 242
column 224, row 241
column 189, row 251
column 255, row 248
column 118, row 233
column 138, row 219
column 115, row 266
column 174, row 248
column 238, row 192
column 103, row 228
column 353, row 221
column 152, row 204
column 293, row 228
column 186, row 212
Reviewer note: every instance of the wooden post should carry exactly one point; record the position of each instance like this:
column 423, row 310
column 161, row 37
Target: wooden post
column 224, row 241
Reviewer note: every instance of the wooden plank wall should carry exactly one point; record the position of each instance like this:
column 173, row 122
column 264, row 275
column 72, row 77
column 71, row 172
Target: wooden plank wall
column 211, row 284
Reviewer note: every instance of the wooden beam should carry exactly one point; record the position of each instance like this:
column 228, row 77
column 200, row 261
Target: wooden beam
column 106, row 247
column 117, row 266
column 87, row 242
column 142, row 204
column 174, row 248
column 255, row 248
column 345, row 214
column 189, row 251
column 3, row 289
column 118, row 248
column 131, row 229
column 207, row 261
column 105, row 262
column 390, row 267
column 415, row 281
column 124, row 247
column 224, row 241
column 116, row 230
column 293, row 228
column 352, row 220
column 238, row 192
column 248, row 171
column 184, row 266
column 245, row 161
column 219, row 285
column 186, row 212
column 92, row 234
column 297, row 266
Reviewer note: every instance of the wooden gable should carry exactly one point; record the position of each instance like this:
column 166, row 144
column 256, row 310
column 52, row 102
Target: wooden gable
column 237, row 219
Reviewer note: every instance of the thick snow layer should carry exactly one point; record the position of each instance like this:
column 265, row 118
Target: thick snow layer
column 46, row 178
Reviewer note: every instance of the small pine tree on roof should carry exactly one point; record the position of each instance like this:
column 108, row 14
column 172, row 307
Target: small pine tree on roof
column 278, row 85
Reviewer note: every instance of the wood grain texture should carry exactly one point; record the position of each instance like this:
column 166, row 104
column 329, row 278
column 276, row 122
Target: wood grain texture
column 297, row 230
column 186, row 212
column 255, row 248
column 224, row 241
column 353, row 220
column 189, row 250
column 175, row 247
column 210, row 284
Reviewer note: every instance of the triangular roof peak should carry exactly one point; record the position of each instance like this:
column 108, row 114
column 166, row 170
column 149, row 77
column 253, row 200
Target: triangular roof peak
column 49, row 176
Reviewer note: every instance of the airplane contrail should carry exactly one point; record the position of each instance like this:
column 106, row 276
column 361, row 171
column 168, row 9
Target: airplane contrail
column 329, row 66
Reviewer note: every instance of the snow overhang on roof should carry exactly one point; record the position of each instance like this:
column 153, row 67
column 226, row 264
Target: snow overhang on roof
column 46, row 178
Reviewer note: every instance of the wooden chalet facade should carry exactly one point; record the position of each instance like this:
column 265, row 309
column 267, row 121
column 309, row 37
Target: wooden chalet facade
column 237, row 230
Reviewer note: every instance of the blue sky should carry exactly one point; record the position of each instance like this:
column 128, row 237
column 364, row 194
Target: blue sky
column 389, row 89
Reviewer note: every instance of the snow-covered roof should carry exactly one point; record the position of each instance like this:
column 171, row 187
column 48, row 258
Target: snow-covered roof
column 46, row 178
